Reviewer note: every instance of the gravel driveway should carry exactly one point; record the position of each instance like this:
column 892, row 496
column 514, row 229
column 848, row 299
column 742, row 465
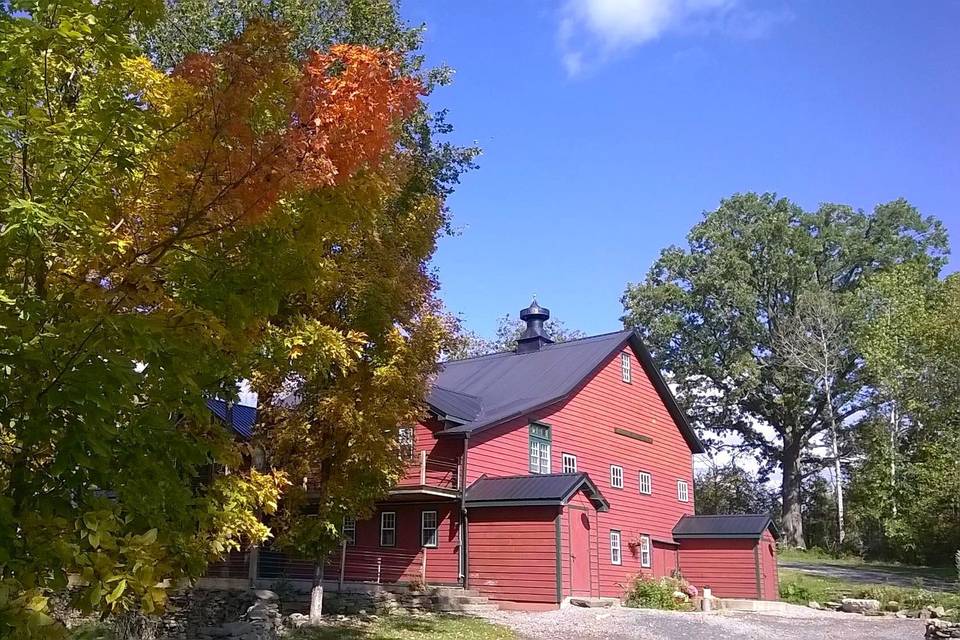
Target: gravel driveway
column 643, row 624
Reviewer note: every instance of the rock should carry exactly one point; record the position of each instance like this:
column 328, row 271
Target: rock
column 832, row 605
column 237, row 628
column 266, row 594
column 902, row 614
column 892, row 605
column 813, row 604
column 297, row 620
column 859, row 605
column 937, row 611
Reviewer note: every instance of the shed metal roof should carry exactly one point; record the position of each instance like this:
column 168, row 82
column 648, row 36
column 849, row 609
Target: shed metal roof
column 242, row 417
column 724, row 526
column 533, row 490
column 479, row 393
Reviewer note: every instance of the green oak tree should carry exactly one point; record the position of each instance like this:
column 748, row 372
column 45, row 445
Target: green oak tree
column 711, row 314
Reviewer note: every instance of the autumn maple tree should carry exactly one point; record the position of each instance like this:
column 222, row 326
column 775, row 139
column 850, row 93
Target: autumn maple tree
column 165, row 233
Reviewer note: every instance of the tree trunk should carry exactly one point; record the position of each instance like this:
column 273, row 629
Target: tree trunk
column 790, row 495
column 838, row 479
column 316, row 594
column 894, row 420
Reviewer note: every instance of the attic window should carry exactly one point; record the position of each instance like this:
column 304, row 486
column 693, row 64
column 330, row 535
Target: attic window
column 539, row 448
column 625, row 367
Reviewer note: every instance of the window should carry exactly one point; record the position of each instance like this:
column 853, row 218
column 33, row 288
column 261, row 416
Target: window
column 406, row 442
column 616, row 476
column 388, row 529
column 683, row 494
column 569, row 463
column 645, row 551
column 646, row 483
column 349, row 529
column 615, row 557
column 539, row 448
column 625, row 367
column 428, row 528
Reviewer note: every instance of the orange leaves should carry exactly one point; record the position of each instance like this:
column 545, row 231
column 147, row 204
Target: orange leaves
column 347, row 103
column 261, row 129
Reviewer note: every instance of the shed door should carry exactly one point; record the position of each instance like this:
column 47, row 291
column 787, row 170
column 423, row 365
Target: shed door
column 579, row 552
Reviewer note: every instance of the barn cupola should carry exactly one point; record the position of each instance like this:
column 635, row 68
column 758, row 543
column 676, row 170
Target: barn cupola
column 534, row 336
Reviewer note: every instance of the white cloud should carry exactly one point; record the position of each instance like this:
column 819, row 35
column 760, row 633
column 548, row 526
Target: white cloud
column 592, row 31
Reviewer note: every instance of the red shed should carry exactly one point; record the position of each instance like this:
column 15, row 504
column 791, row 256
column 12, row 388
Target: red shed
column 734, row 555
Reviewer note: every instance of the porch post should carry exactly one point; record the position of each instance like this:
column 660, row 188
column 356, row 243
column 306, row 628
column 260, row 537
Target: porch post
column 423, row 568
column 343, row 562
column 253, row 564
column 423, row 468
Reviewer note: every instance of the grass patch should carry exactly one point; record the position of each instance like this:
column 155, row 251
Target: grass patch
column 801, row 588
column 402, row 627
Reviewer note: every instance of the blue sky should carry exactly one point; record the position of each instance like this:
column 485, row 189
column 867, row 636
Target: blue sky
column 608, row 126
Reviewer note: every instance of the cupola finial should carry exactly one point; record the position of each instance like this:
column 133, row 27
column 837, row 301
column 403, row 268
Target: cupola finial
column 534, row 336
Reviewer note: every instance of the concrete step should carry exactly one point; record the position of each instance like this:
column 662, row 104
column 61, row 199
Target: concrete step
column 452, row 599
column 454, row 591
column 468, row 608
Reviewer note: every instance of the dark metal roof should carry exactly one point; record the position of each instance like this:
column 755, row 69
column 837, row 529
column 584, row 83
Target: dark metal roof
column 543, row 489
column 480, row 393
column 727, row 526
column 242, row 417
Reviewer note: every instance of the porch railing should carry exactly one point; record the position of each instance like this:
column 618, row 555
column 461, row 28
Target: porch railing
column 428, row 471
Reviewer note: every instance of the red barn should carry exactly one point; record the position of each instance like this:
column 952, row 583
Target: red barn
column 736, row 556
column 548, row 472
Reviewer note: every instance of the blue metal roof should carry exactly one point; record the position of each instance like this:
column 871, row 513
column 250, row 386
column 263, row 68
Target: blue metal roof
column 242, row 417
column 724, row 526
column 530, row 490
column 483, row 392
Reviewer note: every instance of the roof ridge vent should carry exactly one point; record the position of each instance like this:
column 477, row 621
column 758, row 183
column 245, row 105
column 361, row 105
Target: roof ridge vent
column 535, row 335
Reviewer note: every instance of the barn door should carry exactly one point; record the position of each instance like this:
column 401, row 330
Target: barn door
column 579, row 522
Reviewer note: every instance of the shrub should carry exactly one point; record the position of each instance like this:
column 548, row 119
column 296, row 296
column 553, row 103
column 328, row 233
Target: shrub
column 660, row 593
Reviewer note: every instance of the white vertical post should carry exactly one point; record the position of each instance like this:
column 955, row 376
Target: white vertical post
column 423, row 467
column 423, row 568
column 378, row 569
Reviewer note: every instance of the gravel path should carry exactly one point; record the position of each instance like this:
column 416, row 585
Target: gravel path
column 871, row 574
column 643, row 624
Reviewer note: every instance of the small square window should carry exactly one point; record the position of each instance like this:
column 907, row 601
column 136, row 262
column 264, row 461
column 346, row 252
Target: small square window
column 428, row 528
column 569, row 463
column 625, row 367
column 645, row 551
column 348, row 530
column 615, row 557
column 683, row 493
column 646, row 483
column 388, row 529
column 616, row 476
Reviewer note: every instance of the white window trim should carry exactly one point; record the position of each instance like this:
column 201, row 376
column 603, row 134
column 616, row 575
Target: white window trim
column 616, row 549
column 625, row 372
column 407, row 443
column 384, row 528
column 645, row 555
column 352, row 528
column 649, row 483
column 568, row 457
column 683, row 491
column 424, row 529
column 615, row 476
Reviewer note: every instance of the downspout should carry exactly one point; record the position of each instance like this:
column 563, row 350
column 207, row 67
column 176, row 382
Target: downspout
column 464, row 523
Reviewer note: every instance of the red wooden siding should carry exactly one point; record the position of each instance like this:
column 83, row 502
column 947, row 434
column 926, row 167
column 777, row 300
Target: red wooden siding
column 728, row 566
column 664, row 558
column 579, row 506
column 768, row 566
column 443, row 455
column 403, row 562
column 584, row 426
column 513, row 553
